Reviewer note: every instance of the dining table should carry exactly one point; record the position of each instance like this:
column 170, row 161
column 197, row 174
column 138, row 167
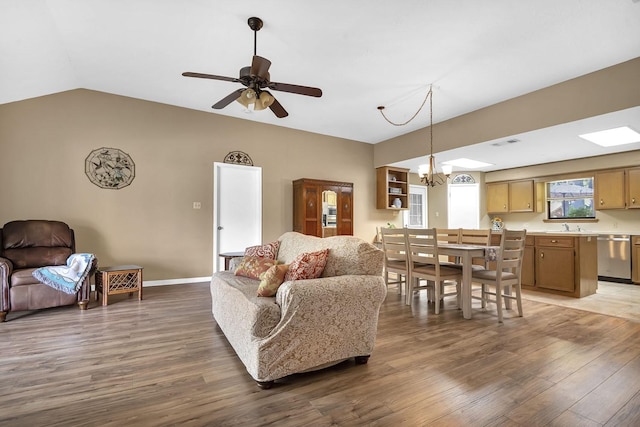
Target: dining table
column 466, row 253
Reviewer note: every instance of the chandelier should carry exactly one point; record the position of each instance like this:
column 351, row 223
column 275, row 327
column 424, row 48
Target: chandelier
column 428, row 173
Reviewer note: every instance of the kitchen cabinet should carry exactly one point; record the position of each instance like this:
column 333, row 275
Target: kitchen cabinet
column 554, row 263
column 308, row 195
column 511, row 196
column 521, row 196
column 498, row 197
column 610, row 189
column 633, row 188
column 392, row 183
column 561, row 264
column 528, row 262
column 635, row 259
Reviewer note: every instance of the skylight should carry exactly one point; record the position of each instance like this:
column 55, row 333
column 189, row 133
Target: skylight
column 467, row 163
column 611, row 137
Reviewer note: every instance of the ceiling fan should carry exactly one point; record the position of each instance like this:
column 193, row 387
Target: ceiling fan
column 256, row 79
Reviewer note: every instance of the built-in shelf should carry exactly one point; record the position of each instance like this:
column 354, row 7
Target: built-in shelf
column 392, row 183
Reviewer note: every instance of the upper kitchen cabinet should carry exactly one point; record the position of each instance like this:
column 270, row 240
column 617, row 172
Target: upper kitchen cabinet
column 633, row 188
column 610, row 189
column 392, row 188
column 512, row 196
column 521, row 196
column 498, row 197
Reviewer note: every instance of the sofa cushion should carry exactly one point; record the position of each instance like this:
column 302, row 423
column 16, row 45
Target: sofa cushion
column 253, row 267
column 347, row 254
column 268, row 250
column 271, row 280
column 308, row 265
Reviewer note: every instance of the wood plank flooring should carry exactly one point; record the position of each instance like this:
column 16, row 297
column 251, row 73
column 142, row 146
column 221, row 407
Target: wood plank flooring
column 163, row 362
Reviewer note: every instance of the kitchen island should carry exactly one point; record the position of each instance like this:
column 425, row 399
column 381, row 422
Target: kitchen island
column 563, row 263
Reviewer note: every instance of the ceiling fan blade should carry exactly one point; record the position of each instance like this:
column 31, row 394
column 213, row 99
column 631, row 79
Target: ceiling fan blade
column 210, row 76
column 278, row 109
column 260, row 67
column 300, row 90
column 227, row 99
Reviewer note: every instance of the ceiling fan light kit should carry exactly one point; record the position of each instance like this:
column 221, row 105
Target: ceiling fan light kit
column 256, row 79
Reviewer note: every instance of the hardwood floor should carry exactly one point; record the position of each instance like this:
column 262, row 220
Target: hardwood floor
column 163, row 361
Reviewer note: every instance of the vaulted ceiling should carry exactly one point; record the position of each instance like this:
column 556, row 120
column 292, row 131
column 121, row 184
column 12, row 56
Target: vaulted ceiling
column 362, row 54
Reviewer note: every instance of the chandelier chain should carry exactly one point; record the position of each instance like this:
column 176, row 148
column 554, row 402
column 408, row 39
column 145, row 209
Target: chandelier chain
column 428, row 96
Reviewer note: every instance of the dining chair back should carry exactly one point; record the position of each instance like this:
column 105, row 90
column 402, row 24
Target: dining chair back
column 394, row 246
column 424, row 264
column 506, row 277
column 469, row 236
column 449, row 235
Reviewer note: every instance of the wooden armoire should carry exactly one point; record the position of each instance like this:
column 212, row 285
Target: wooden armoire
column 307, row 207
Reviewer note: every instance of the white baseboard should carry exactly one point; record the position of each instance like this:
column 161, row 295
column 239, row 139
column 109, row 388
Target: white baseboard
column 146, row 283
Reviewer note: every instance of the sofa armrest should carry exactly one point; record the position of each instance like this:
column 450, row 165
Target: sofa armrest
column 6, row 269
column 332, row 304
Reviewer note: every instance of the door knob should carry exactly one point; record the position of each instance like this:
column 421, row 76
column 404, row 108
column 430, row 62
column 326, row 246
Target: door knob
column 219, row 227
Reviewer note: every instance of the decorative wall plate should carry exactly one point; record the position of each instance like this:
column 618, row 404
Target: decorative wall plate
column 238, row 158
column 110, row 168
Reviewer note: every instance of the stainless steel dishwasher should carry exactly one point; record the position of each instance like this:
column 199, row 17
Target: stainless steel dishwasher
column 614, row 258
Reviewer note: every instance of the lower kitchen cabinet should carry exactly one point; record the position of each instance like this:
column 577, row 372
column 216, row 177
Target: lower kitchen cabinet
column 528, row 262
column 635, row 259
column 555, row 268
column 561, row 264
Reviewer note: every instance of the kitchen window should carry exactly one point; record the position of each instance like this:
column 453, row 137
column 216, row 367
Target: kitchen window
column 570, row 199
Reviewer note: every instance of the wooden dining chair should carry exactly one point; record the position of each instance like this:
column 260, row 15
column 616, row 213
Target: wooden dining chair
column 499, row 282
column 449, row 235
column 470, row 236
column 394, row 246
column 424, row 264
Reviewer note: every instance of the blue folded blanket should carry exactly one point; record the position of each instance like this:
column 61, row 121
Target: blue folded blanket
column 66, row 278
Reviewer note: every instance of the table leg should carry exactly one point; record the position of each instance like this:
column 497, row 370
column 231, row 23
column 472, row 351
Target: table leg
column 466, row 285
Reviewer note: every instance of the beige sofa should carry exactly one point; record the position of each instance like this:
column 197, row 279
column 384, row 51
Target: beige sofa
column 309, row 324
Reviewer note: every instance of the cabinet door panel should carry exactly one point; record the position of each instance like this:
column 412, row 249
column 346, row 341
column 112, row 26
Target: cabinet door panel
column 555, row 268
column 312, row 211
column 610, row 190
column 528, row 269
column 345, row 211
column 498, row 197
column 633, row 188
column 521, row 196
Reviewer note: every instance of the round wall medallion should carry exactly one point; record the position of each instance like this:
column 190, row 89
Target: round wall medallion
column 110, row 168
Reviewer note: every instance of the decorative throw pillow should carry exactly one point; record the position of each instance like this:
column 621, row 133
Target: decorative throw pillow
column 309, row 265
column 253, row 267
column 268, row 250
column 271, row 280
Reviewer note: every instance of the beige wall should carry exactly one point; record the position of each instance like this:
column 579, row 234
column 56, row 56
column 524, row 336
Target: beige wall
column 152, row 223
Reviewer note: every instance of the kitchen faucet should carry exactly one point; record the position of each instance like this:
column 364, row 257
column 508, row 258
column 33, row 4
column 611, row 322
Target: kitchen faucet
column 566, row 226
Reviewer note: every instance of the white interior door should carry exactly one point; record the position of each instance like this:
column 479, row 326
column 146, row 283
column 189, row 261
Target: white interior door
column 237, row 209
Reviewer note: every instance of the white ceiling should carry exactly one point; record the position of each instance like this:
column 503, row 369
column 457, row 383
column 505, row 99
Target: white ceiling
column 361, row 53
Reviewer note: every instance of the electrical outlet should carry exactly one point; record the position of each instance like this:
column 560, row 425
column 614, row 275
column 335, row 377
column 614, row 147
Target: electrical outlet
column 197, row 205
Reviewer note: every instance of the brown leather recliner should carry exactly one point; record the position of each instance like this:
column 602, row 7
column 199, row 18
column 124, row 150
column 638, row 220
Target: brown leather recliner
column 25, row 246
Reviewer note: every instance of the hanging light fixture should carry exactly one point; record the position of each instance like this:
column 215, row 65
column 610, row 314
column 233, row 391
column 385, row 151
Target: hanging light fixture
column 253, row 100
column 428, row 173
